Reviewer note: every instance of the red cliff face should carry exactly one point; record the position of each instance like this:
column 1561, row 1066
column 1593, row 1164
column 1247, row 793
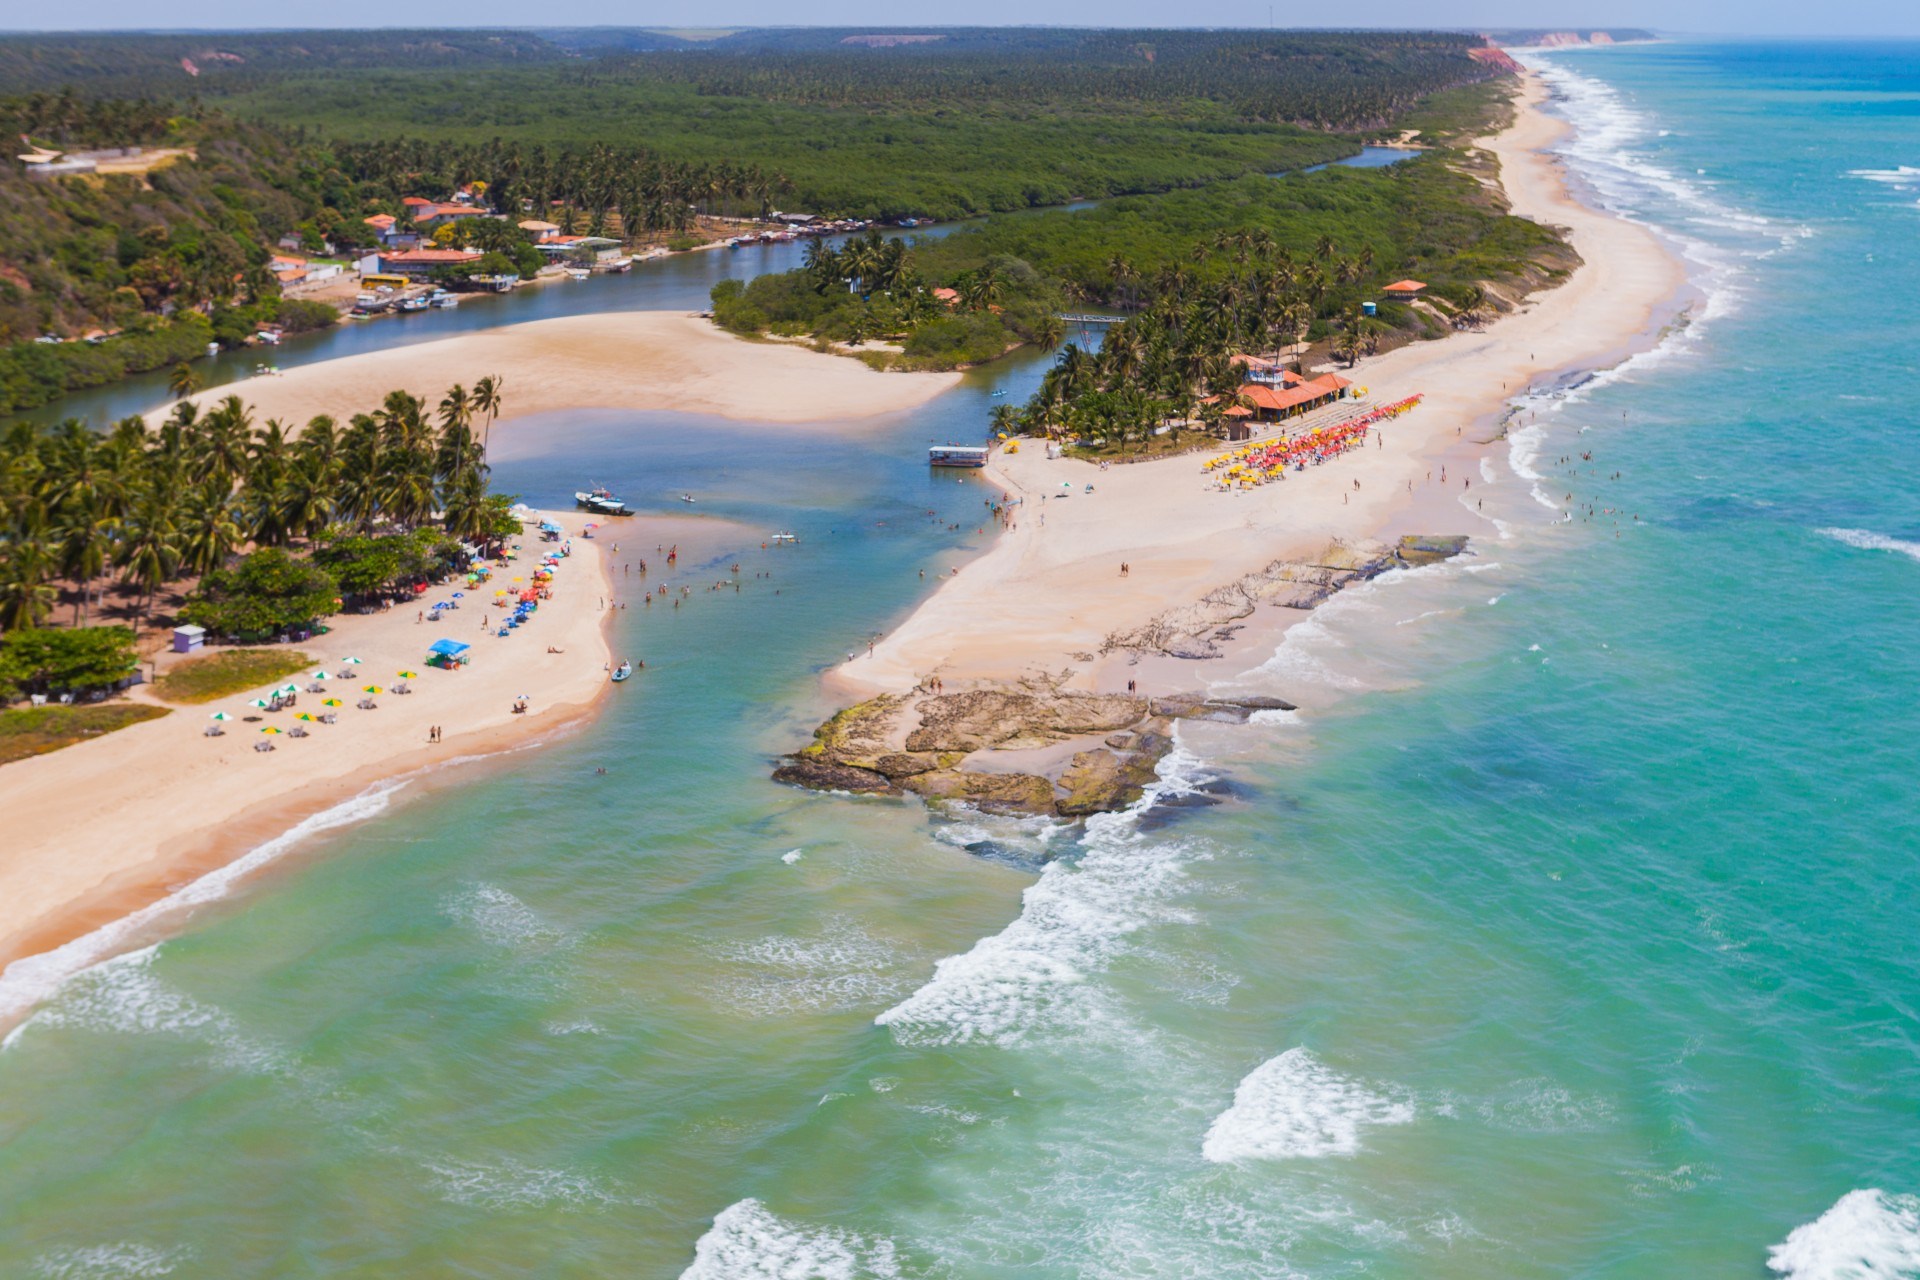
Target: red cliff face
column 1495, row 58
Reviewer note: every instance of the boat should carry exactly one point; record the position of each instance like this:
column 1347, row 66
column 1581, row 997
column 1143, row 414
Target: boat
column 621, row 672
column 445, row 301
column 580, row 273
column 686, row 497
column 998, row 394
column 414, row 304
column 600, row 500
column 786, row 537
column 957, row 455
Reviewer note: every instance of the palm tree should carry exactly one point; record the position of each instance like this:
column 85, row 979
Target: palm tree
column 26, row 592
column 486, row 399
column 183, row 381
column 149, row 547
column 1049, row 330
column 208, row 531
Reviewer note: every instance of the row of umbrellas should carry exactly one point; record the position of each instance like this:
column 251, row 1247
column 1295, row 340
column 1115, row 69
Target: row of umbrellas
column 325, row 702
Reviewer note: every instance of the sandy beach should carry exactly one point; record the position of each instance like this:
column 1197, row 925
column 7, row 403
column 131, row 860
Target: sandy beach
column 1051, row 588
column 107, row 827
column 615, row 360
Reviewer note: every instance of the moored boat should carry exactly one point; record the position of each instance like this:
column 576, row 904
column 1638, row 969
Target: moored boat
column 599, row 500
column 957, row 455
column 621, row 672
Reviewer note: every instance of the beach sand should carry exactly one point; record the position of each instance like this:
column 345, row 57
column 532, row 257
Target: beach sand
column 616, row 360
column 1051, row 588
column 98, row 830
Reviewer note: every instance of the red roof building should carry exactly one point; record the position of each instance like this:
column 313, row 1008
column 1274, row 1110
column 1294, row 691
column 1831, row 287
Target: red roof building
column 1404, row 288
column 418, row 262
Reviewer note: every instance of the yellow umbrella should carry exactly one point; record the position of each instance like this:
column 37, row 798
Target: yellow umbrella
column 270, row 729
column 409, row 675
column 330, row 702
column 304, row 716
column 372, row 688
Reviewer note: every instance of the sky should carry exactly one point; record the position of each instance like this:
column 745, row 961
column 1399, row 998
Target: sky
column 1732, row 17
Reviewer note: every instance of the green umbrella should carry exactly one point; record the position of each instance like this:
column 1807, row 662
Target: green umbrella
column 270, row 729
column 258, row 702
column 221, row 715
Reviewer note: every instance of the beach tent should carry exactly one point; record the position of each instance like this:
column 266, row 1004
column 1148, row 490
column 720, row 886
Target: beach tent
column 447, row 653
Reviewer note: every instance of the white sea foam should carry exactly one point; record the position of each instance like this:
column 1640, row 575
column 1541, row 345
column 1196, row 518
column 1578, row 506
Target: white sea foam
column 508, row 1184
column 1903, row 177
column 31, row 979
column 1866, row 1235
column 749, row 1242
column 791, row 856
column 119, row 1261
column 123, row 996
column 841, row 967
column 503, row 920
column 1074, row 921
column 1294, row 1107
column 1867, row 540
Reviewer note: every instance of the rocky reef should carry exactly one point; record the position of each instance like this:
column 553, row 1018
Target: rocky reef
column 1036, row 747
column 1195, row 630
column 1031, row 748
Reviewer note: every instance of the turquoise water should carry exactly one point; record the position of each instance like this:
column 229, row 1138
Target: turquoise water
column 1567, row 932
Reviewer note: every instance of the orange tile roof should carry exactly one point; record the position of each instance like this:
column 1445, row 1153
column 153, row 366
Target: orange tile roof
column 384, row 221
column 1406, row 286
column 447, row 256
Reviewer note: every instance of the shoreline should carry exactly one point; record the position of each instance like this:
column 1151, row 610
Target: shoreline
column 157, row 807
column 640, row 360
column 1048, row 591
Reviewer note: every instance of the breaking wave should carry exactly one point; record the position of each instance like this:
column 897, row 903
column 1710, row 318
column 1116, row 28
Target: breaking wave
column 1867, row 540
column 749, row 1242
column 31, row 979
column 1074, row 921
column 1866, row 1235
column 1294, row 1107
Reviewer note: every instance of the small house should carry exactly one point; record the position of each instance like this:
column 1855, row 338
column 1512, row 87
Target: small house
column 1404, row 290
column 189, row 639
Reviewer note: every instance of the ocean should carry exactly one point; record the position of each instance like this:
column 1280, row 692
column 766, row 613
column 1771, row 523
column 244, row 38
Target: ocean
column 1567, row 930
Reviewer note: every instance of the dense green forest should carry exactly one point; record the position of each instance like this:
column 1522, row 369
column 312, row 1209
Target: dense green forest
column 1327, row 239
column 618, row 132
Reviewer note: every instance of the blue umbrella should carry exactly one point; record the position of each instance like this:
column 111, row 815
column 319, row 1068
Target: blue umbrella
column 458, row 594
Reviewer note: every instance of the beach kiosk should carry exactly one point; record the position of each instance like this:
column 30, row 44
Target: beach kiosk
column 189, row 639
column 447, row 654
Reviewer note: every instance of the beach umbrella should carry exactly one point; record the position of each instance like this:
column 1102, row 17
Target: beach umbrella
column 322, row 675
column 351, row 661
column 288, row 688
column 371, row 688
column 409, row 675
column 258, row 702
column 220, row 715
column 458, row 594
column 331, row 702
column 304, row 716
column 270, row 729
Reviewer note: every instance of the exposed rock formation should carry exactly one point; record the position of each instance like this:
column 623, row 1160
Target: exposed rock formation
column 959, row 747
column 1034, row 747
column 1193, row 631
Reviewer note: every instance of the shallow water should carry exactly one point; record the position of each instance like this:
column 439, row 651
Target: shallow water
column 1567, row 930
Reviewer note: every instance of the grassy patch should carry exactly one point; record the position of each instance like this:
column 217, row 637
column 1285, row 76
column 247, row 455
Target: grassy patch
column 34, row 731
column 228, row 671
